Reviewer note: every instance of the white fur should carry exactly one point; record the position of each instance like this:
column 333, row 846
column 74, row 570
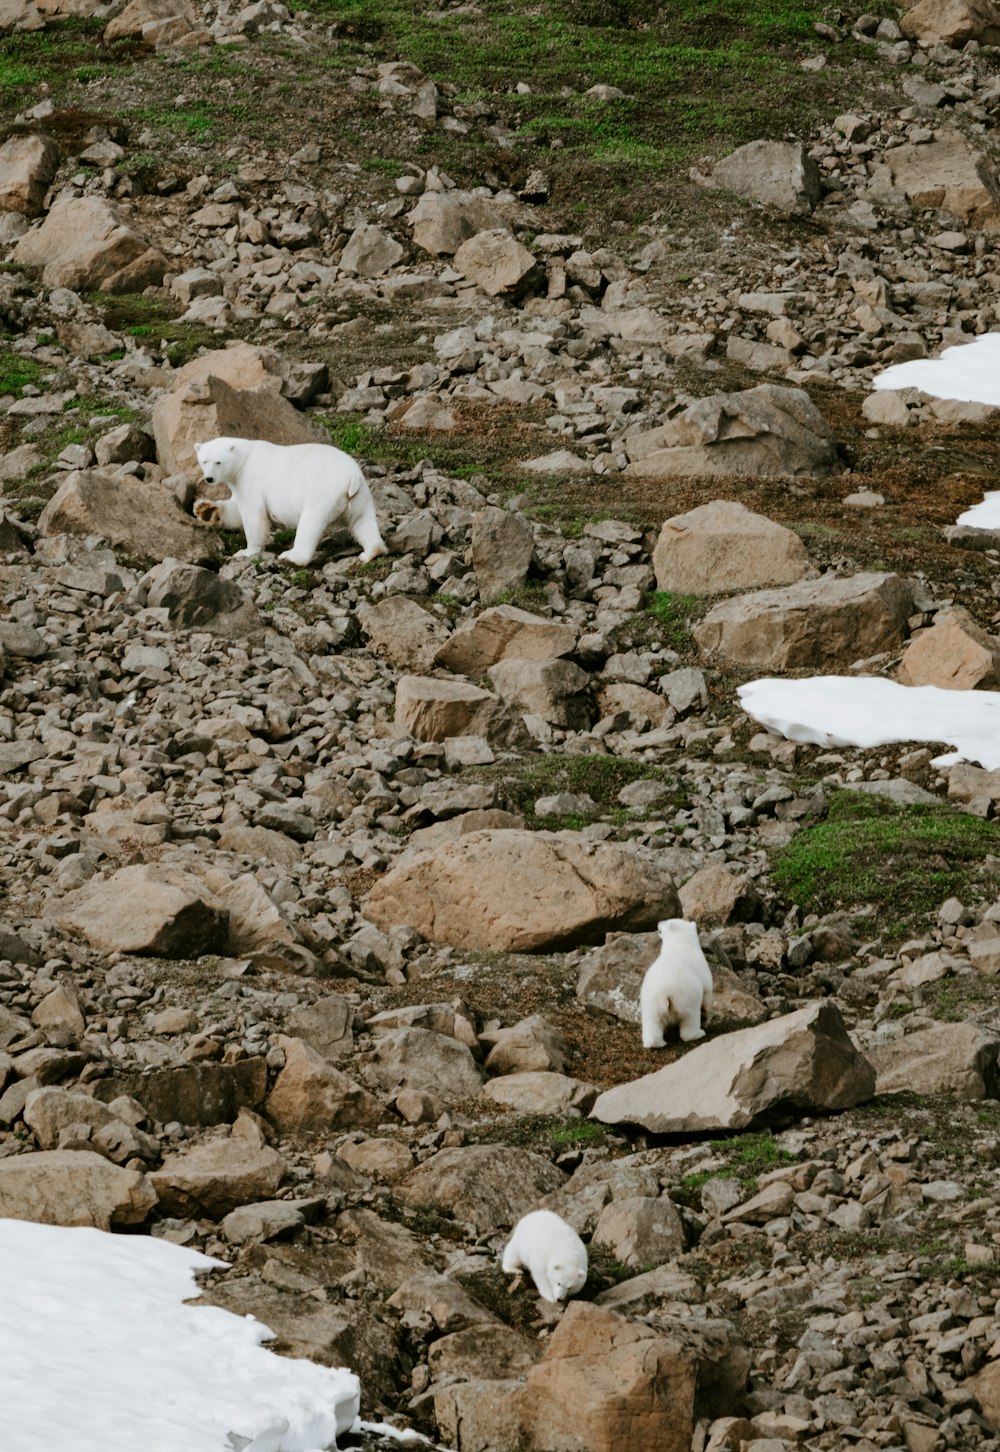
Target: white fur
column 552, row 1253
column 305, row 487
column 677, row 986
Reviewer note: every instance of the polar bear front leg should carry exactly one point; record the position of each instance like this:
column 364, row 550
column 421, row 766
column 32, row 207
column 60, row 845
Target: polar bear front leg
column 223, row 513
column 257, row 528
column 312, row 523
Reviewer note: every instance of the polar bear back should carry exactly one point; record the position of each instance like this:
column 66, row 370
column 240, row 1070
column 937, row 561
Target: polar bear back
column 551, row 1252
column 292, row 477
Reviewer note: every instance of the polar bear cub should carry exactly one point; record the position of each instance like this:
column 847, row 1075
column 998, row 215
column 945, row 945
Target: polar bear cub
column 305, row 487
column 677, row 986
column 551, row 1251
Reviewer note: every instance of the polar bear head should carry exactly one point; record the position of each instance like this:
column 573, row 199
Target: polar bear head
column 565, row 1278
column 675, row 931
column 219, row 459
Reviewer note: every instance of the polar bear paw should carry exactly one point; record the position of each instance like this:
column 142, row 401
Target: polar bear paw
column 208, row 511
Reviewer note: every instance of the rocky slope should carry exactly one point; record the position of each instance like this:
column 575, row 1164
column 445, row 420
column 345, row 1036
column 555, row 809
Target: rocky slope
column 328, row 892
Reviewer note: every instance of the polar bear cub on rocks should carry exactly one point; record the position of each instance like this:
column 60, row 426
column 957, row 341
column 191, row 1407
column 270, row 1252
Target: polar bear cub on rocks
column 552, row 1253
column 677, row 986
column 306, row 487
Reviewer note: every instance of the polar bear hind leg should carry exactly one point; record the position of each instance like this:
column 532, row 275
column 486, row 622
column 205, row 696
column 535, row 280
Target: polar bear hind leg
column 366, row 531
column 312, row 522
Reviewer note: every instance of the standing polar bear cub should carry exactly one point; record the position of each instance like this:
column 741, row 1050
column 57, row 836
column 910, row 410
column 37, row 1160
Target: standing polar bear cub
column 677, row 985
column 550, row 1251
column 306, row 487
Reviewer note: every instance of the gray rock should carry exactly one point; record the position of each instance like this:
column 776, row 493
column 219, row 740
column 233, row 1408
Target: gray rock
column 780, row 174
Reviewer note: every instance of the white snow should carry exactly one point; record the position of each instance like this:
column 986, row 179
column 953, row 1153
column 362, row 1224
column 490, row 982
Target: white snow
column 985, row 515
column 968, row 372
column 870, row 711
column 99, row 1354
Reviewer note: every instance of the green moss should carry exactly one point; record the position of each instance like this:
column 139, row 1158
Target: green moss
column 901, row 861
column 672, row 616
column 599, row 777
column 16, row 371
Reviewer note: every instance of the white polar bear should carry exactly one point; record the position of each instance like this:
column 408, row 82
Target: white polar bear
column 551, row 1251
column 677, row 985
column 308, row 487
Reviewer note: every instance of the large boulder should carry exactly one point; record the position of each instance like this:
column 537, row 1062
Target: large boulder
column 801, row 1063
column 611, row 976
column 496, row 262
column 953, row 22
column 310, row 1096
column 948, row 173
column 950, row 1058
column 403, row 632
column 525, row 891
column 442, row 221
column 432, row 709
column 765, row 431
column 780, row 174
column 85, row 244
column 556, row 690
column 369, row 252
column 27, row 166
column 488, row 1185
column 141, row 519
column 955, row 654
column 502, row 631
column 417, row 1058
column 206, row 405
column 73, row 1187
column 723, row 546
column 218, row 1176
column 199, row 599
column 157, row 910
column 608, row 1383
column 502, row 550
column 818, row 624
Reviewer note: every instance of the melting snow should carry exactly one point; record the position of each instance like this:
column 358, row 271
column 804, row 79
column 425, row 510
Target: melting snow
column 100, row 1354
column 870, row 711
column 968, row 372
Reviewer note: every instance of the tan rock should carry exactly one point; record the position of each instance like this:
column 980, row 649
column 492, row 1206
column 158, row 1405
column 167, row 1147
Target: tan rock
column 780, row 174
column 954, row 654
column 416, row 1058
column 136, row 517
column 448, row 1304
column 947, row 173
column 496, row 262
column 481, row 891
column 645, row 708
column 73, row 1187
column 481, row 1351
column 802, row 1062
column 433, row 709
column 489, row 1185
column 82, row 244
column 716, row 895
column 403, row 633
column 952, row 22
column 950, row 1058
column 213, row 1178
column 641, row 1230
column 532, row 1044
column 27, row 166
column 310, row 1096
column 479, row 1415
column 825, row 623
column 502, row 631
column 385, row 1159
column 540, row 1092
column 206, row 406
column 326, row 1026
column 555, row 690
column 503, row 546
column 442, row 221
column 723, row 546
column 370, row 251
column 48, row 1111
column 132, row 22
column 60, row 1017
column 610, row 1384
column 985, row 1387
column 157, row 910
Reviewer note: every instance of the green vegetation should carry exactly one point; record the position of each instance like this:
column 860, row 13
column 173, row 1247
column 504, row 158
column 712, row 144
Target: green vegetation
column 599, row 777
column 17, row 371
column 901, row 861
column 583, row 1131
column 673, row 615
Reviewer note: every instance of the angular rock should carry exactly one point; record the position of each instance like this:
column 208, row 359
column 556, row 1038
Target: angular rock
column 819, row 624
column 214, row 1178
column 496, row 262
column 641, row 1231
column 954, row 654
column 540, row 1092
column 310, row 1096
column 481, row 1351
column 532, row 1044
column 952, row 22
column 326, row 1026
column 556, row 690
column 717, row 895
column 73, row 1187
column 415, row 1058
column 481, row 892
column 723, row 546
column 432, row 709
column 370, row 251
column 502, row 550
column 800, row 1063
column 27, row 166
column 139, row 518
column 200, row 1094
column 157, row 910
column 502, row 631
column 448, row 1304
column 85, row 244
column 157, row 22
column 442, row 221
column 610, row 1384
column 403, row 633
column 482, row 1415
column 198, row 599
column 489, row 1185
column 780, row 174
column 948, row 173
column 950, row 1058
column 770, row 430
column 48, row 1111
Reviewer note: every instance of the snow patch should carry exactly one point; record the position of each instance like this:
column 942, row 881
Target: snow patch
column 100, row 1354
column 967, row 372
column 985, row 515
column 870, row 711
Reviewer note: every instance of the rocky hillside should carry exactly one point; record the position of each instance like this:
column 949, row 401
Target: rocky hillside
column 328, row 891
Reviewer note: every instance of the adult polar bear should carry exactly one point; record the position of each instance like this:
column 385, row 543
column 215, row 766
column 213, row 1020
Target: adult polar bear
column 305, row 487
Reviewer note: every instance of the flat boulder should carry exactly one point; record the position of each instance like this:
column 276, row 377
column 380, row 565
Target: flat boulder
column 818, row 624
column 502, row 631
column 525, row 891
column 85, row 244
column 950, row 1058
column 141, row 519
column 608, row 1383
column 435, row 709
column 767, row 431
column 780, row 174
column 488, row 1185
column 73, row 1187
column 950, row 174
column 161, row 911
column 801, row 1063
column 723, row 546
column 218, row 1176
